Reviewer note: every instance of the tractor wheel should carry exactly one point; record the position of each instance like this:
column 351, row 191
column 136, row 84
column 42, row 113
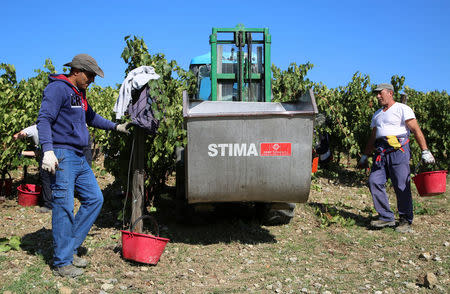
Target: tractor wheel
column 273, row 214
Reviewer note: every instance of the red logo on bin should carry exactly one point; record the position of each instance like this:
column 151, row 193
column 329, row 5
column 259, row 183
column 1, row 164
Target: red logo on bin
column 275, row 149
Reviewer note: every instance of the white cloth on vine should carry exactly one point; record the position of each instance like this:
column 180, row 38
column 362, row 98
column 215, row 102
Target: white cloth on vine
column 32, row 133
column 392, row 121
column 136, row 79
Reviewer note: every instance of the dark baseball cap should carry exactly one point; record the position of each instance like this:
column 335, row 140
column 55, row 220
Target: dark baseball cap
column 87, row 63
column 381, row 87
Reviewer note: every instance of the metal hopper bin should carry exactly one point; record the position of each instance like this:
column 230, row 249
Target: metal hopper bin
column 241, row 146
column 248, row 151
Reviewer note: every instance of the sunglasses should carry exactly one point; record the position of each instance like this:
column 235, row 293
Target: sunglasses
column 89, row 74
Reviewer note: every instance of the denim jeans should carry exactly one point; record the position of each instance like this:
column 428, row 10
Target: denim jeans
column 69, row 230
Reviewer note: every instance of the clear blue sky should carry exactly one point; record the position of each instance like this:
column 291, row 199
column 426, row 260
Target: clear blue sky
column 379, row 38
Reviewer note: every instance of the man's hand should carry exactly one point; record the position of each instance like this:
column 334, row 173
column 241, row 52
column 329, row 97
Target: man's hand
column 19, row 135
column 123, row 128
column 427, row 157
column 49, row 162
column 363, row 162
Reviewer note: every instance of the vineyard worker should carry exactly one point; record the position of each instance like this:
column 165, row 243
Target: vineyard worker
column 46, row 199
column 63, row 134
column 391, row 125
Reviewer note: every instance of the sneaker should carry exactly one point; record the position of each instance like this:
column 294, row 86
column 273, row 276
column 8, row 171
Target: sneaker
column 79, row 262
column 43, row 209
column 68, row 271
column 404, row 226
column 382, row 223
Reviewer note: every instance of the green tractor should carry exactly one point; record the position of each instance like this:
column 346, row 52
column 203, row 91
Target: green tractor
column 241, row 146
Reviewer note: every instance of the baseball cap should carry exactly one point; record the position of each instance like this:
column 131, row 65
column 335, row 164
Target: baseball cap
column 87, row 63
column 384, row 86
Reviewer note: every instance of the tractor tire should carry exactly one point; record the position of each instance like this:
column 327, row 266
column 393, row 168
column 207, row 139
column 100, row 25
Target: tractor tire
column 274, row 214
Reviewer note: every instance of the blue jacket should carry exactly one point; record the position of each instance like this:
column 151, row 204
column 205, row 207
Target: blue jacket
column 64, row 114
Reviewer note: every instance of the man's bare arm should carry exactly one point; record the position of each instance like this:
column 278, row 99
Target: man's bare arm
column 413, row 125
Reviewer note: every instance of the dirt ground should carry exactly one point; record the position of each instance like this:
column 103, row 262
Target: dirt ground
column 327, row 247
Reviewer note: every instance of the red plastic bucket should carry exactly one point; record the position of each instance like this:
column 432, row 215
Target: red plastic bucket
column 431, row 183
column 142, row 247
column 28, row 194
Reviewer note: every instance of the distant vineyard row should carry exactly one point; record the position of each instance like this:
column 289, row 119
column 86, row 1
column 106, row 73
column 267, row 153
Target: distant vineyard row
column 348, row 110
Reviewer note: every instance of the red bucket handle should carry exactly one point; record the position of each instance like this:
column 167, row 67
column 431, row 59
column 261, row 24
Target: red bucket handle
column 142, row 217
column 416, row 169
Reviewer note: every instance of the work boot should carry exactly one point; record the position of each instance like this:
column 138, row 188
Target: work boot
column 68, row 271
column 382, row 223
column 43, row 209
column 79, row 262
column 403, row 226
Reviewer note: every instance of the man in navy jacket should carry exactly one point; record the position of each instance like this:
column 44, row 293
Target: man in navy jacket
column 62, row 126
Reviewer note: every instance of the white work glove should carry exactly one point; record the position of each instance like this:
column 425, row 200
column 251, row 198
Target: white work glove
column 427, row 157
column 49, row 162
column 123, row 128
column 363, row 161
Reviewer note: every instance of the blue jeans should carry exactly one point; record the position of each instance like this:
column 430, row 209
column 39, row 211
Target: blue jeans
column 394, row 165
column 69, row 230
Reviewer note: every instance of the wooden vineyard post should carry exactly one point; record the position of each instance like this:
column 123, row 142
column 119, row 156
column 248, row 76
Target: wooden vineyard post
column 138, row 172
